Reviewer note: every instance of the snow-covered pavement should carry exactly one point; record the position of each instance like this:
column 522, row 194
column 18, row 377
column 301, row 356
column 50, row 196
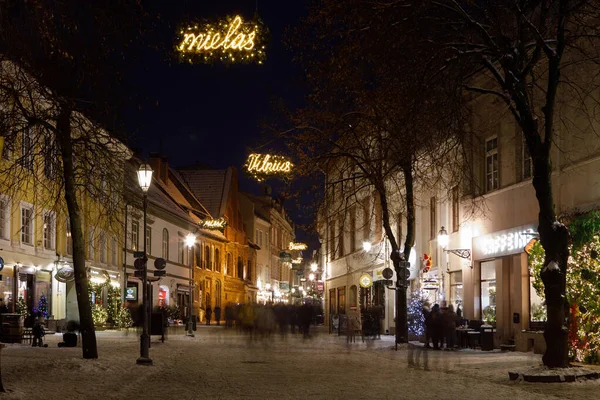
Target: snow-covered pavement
column 220, row 364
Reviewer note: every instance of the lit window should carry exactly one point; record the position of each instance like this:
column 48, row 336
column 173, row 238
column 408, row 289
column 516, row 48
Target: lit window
column 26, row 159
column 49, row 230
column 27, row 225
column 135, row 235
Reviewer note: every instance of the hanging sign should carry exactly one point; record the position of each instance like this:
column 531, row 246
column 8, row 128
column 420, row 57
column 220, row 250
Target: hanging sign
column 297, row 260
column 231, row 40
column 218, row 224
column 366, row 281
column 297, row 246
column 503, row 243
column 285, row 257
column 262, row 166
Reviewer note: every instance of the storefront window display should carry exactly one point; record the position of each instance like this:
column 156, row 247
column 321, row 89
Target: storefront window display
column 6, row 293
column 456, row 289
column 488, row 291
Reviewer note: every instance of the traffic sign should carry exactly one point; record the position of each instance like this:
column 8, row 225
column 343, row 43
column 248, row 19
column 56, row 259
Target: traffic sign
column 160, row 273
column 387, row 273
column 138, row 254
column 139, row 264
column 138, row 273
column 160, row 263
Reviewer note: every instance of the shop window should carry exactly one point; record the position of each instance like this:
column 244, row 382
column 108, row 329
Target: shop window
column 27, row 224
column 456, row 289
column 341, row 300
column 353, row 297
column 165, row 244
column 6, row 294
column 163, row 296
column 488, row 291
column 537, row 310
column 491, row 164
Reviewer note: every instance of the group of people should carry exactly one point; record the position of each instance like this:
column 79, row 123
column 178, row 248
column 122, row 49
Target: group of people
column 440, row 326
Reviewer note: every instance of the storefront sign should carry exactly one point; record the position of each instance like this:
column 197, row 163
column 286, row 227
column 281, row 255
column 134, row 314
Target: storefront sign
column 285, row 257
column 284, row 287
column 131, row 293
column 297, row 246
column 502, row 243
column 320, row 286
column 366, row 281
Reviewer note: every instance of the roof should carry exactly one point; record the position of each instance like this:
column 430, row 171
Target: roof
column 210, row 187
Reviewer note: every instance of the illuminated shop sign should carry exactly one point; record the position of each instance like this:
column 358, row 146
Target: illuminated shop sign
column 297, row 246
column 503, row 243
column 213, row 224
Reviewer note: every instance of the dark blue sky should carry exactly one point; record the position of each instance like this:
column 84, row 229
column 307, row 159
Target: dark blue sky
column 210, row 114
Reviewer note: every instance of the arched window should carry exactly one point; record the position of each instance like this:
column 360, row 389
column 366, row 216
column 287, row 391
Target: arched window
column 218, row 293
column 207, row 257
column 165, row 244
column 353, row 299
column 240, row 268
column 229, row 265
column 217, row 260
column 198, row 251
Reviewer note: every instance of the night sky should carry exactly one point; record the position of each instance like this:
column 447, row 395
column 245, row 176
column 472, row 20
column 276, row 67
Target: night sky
column 210, row 114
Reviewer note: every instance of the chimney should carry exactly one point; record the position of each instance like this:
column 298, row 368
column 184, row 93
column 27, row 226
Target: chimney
column 164, row 170
column 155, row 163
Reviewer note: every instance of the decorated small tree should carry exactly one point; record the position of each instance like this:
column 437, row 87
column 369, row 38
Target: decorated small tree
column 416, row 317
column 42, row 307
column 22, row 307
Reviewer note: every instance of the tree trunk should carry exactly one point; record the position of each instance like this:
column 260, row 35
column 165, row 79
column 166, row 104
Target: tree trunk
column 88, row 334
column 554, row 238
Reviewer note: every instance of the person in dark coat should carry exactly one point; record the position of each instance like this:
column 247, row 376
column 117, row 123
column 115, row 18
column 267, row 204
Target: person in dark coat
column 305, row 316
column 428, row 326
column 218, row 315
column 208, row 315
column 436, row 326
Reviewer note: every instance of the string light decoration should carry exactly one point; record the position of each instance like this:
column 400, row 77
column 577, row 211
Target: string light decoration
column 213, row 224
column 262, row 166
column 297, row 246
column 231, row 40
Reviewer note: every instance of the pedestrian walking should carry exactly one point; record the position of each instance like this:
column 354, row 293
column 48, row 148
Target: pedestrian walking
column 208, row 315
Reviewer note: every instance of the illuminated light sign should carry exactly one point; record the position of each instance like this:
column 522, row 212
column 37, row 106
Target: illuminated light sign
column 297, row 260
column 297, row 246
column 261, row 166
column 503, row 243
column 366, row 281
column 213, row 224
column 230, row 40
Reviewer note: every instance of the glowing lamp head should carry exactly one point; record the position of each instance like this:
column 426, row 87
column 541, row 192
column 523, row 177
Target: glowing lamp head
column 190, row 239
column 293, row 290
column 311, row 277
column 367, row 246
column 313, row 267
column 443, row 237
column 268, row 286
column 145, row 177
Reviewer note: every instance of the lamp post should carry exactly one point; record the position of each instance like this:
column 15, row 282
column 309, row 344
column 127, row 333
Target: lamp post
column 462, row 253
column 190, row 240
column 144, row 180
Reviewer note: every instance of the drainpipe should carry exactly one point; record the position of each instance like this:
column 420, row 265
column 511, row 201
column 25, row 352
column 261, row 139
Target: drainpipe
column 124, row 284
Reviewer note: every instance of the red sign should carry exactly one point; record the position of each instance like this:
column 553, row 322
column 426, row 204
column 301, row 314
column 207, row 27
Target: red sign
column 320, row 286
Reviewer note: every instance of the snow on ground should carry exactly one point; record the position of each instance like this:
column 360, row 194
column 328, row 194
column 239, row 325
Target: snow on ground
column 220, row 364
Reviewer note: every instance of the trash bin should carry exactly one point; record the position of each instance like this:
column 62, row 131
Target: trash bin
column 487, row 337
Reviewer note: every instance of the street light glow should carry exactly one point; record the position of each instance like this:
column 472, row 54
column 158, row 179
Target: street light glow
column 313, row 267
column 443, row 237
column 311, row 276
column 145, row 177
column 367, row 246
column 190, row 239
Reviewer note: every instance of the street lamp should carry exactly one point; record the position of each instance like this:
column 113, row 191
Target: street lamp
column 144, row 180
column 268, row 287
column 443, row 237
column 190, row 240
column 443, row 242
column 314, row 267
column 366, row 246
column 311, row 276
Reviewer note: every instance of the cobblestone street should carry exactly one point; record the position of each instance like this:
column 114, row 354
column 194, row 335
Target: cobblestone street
column 225, row 364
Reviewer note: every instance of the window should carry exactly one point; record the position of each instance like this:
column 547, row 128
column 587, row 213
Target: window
column 432, row 218
column 9, row 139
column 91, row 243
column 4, row 217
column 50, row 157
column 341, row 300
column 240, row 268
column 256, row 237
column 399, row 232
column 488, row 290
column 180, row 250
column 207, row 263
column 69, row 248
column 267, row 239
column 366, row 202
column 198, row 252
column 352, row 230
column 49, row 230
column 217, row 260
column 148, row 240
column 332, row 241
column 456, row 289
column 165, row 244
column 249, row 271
column 341, row 239
column 26, row 159
column 27, row 224
column 135, row 235
column 228, row 266
column 491, row 164
column 113, row 254
column 455, row 210
column 102, row 247
column 353, row 297
column 527, row 164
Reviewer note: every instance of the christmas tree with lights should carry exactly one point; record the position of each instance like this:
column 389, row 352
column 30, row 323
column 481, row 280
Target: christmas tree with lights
column 42, row 307
column 416, row 318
